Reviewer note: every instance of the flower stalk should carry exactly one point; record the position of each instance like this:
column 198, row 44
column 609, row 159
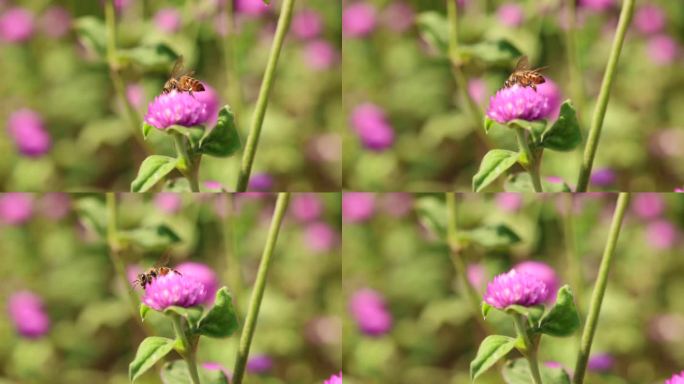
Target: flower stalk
column 600, row 288
column 187, row 349
column 530, row 351
column 188, row 166
column 264, row 92
column 532, row 163
column 259, row 287
column 604, row 95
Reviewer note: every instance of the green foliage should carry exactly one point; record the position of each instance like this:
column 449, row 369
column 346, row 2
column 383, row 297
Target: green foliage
column 521, row 182
column 176, row 372
column 434, row 29
column 491, row 236
column 151, row 350
column 93, row 214
column 494, row 164
column 492, row 349
column 153, row 170
column 158, row 57
column 562, row 319
column 191, row 315
column 432, row 214
column 495, row 52
column 518, row 372
column 564, row 134
column 220, row 320
column 92, row 33
column 223, row 139
column 158, row 237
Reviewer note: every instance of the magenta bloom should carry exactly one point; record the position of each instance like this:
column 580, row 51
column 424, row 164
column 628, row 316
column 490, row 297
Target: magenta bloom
column 27, row 313
column 543, row 272
column 476, row 275
column 398, row 16
column 518, row 103
column 16, row 25
column 358, row 19
column 597, row 5
column 677, row 378
column 661, row 234
column 320, row 237
column 306, row 207
column 371, row 125
column 370, row 312
column 307, row 24
column 357, row 206
column 552, row 92
column 203, row 274
column 662, row 49
column 251, row 7
column 210, row 98
column 176, row 108
column 16, row 208
column 477, row 89
column 259, row 364
column 55, row 22
column 337, row 379
column 648, row 205
column 515, row 287
column 649, row 19
column 168, row 20
column 320, row 55
column 261, row 182
column 28, row 132
column 602, row 362
column 135, row 94
column 55, row 205
column 214, row 366
column 174, row 289
column 168, row 202
column 120, row 5
column 510, row 15
column 509, row 201
column 603, row 177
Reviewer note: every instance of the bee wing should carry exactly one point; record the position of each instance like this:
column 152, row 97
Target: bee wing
column 523, row 64
column 163, row 261
column 541, row 69
column 177, row 67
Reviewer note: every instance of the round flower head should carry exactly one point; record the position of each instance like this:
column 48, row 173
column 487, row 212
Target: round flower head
column 648, row 205
column 210, row 98
column 649, row 19
column 320, row 55
column 28, row 132
column 510, row 15
column 204, row 275
column 509, row 201
column 662, row 49
column 372, row 127
column 476, row 275
column 358, row 19
column 550, row 89
column 168, row 202
column 55, row 21
column 16, row 25
column 28, row 315
column 515, row 288
column 16, row 208
column 320, row 237
column 661, row 234
column 174, row 289
column 176, row 108
column 259, row 364
column 370, row 312
column 135, row 94
column 518, row 102
column 168, row 20
column 543, row 272
column 306, row 24
column 603, row 177
column 261, row 182
column 306, row 207
column 357, row 206
column 602, row 362
column 477, row 89
column 677, row 378
column 334, row 379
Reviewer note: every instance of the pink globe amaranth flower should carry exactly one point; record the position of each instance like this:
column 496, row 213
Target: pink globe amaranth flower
column 370, row 124
column 648, row 205
column 398, row 16
column 597, row 5
column 357, row 206
column 370, row 312
column 677, row 378
column 662, row 49
column 543, row 272
column 679, row 190
column 251, row 7
column 550, row 89
column 28, row 132
column 168, row 202
column 334, row 379
column 397, row 204
column 476, row 275
column 306, row 24
column 649, row 19
column 518, row 102
column 27, row 313
column 176, row 108
column 16, row 25
column 661, row 234
column 358, row 19
column 320, row 237
column 173, row 289
column 259, row 364
column 16, row 208
column 55, row 205
column 203, row 274
column 510, row 15
column 261, row 182
column 168, row 20
column 602, row 362
column 515, row 287
column 135, row 94
column 603, row 177
column 55, row 22
column 306, row 207
column 509, row 201
column 477, row 89
column 320, row 55
column 210, row 98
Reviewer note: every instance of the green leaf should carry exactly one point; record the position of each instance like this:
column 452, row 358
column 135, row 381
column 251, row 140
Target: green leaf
column 492, row 349
column 491, row 236
column 159, row 57
column 143, row 310
column 179, row 185
column 518, row 372
column 151, row 350
column 533, row 314
column 562, row 319
column 146, row 129
column 92, row 33
column 434, row 29
column 152, row 170
column 496, row 52
column 432, row 214
column 220, row 320
column 151, row 238
column 193, row 134
column 488, row 124
column 192, row 315
column 485, row 309
column 536, row 128
column 93, row 214
column 495, row 163
column 521, row 182
column 223, row 140
column 176, row 372
column 564, row 134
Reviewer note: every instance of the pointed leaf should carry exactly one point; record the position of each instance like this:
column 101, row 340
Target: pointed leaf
column 434, row 29
column 488, row 124
column 158, row 57
column 151, row 350
column 92, row 33
column 485, row 308
column 223, row 139
column 192, row 315
column 143, row 310
column 492, row 349
column 432, row 214
column 562, row 319
column 494, row 164
column 564, row 134
column 151, row 238
column 152, row 170
column 146, row 129
column 493, row 52
column 221, row 320
column 491, row 236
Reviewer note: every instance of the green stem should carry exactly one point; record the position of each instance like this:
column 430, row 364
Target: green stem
column 532, row 167
column 600, row 288
column 604, row 95
column 262, row 100
column 259, row 286
column 572, row 257
column 230, row 247
column 188, row 349
column 187, row 166
column 231, row 61
column 530, row 348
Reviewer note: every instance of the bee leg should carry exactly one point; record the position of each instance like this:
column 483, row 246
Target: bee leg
column 534, row 87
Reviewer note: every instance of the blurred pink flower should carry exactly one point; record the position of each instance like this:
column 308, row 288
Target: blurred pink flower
column 510, row 14
column 320, row 237
column 27, row 313
column 259, row 364
column 307, row 24
column 168, row 20
column 205, row 275
column 648, row 205
column 135, row 94
column 168, row 202
column 357, row 206
column 396, row 204
column 649, row 19
column 16, row 208
column 320, row 55
column 477, row 89
column 334, row 379
column 369, row 310
column 358, row 19
column 55, row 21
column 668, row 328
column 662, row 49
column 261, row 182
column 324, row 330
column 550, row 89
column 26, row 128
column 121, row 4
column 543, row 272
column 251, row 7
column 661, row 234
column 509, row 201
column 16, row 25
column 603, row 177
column 132, row 272
column 679, row 190
column 214, row 186
column 214, row 366
column 55, row 205
column 306, row 207
column 677, row 378
column 371, row 125
column 602, row 362
column 597, row 5
column 477, row 276
column 398, row 16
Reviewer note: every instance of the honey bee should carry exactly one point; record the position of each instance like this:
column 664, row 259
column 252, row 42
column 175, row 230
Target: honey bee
column 182, row 82
column 524, row 76
column 146, row 278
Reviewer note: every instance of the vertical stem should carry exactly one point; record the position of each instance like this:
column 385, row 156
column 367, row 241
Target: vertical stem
column 231, row 60
column 187, row 166
column 575, row 74
column 188, row 352
column 604, row 95
column 530, row 348
column 532, row 167
column 572, row 257
column 230, row 246
column 262, row 100
column 600, row 288
column 259, row 286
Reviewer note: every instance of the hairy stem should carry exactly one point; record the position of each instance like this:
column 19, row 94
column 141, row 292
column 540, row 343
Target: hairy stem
column 186, row 166
column 532, row 167
column 259, row 286
column 188, row 351
column 530, row 348
column 600, row 288
column 602, row 103
column 262, row 101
